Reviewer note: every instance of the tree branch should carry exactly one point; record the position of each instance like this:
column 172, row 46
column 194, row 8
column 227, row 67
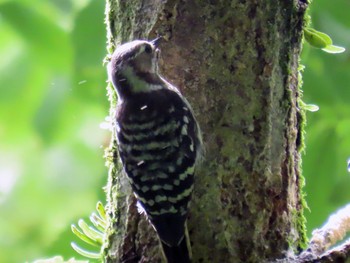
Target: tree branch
column 322, row 239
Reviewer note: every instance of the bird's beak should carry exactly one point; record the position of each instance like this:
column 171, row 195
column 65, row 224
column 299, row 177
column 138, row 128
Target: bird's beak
column 155, row 42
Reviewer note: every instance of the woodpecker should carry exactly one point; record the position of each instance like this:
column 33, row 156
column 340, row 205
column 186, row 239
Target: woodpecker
column 159, row 142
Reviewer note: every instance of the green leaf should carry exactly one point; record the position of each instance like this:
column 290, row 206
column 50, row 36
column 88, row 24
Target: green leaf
column 308, row 107
column 83, row 237
column 101, row 211
column 91, row 232
column 85, row 253
column 316, row 38
column 333, row 49
column 98, row 222
column 311, row 107
column 324, row 36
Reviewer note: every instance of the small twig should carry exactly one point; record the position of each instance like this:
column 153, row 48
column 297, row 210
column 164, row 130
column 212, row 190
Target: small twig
column 338, row 254
column 322, row 239
column 332, row 232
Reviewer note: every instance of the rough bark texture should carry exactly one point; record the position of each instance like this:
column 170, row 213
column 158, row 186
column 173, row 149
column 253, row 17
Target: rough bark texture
column 237, row 63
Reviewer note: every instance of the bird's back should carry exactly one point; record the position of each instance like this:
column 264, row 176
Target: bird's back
column 157, row 147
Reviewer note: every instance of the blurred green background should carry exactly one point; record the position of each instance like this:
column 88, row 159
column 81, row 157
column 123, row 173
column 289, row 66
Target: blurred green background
column 327, row 84
column 52, row 102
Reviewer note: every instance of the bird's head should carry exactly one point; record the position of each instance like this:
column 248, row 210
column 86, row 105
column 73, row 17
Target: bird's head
column 135, row 63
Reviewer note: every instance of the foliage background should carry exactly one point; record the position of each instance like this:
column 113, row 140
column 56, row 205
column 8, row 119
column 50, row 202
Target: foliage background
column 52, row 102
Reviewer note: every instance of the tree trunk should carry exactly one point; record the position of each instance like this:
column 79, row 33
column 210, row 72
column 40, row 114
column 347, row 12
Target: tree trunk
column 237, row 63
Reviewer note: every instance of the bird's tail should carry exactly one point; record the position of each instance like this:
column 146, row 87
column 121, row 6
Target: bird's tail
column 178, row 254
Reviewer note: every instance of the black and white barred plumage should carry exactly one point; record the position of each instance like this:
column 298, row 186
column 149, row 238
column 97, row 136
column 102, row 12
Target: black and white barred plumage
column 158, row 141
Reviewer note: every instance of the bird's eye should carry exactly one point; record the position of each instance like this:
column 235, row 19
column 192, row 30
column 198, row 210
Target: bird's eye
column 148, row 49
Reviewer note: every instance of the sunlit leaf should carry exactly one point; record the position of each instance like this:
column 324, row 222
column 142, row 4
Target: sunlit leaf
column 333, row 49
column 98, row 222
column 90, row 232
column 101, row 210
column 85, row 253
column 311, row 107
column 83, row 237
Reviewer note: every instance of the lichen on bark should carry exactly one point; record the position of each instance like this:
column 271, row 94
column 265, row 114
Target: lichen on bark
column 237, row 63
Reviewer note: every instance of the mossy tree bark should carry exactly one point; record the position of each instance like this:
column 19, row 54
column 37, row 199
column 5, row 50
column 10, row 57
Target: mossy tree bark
column 237, row 63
